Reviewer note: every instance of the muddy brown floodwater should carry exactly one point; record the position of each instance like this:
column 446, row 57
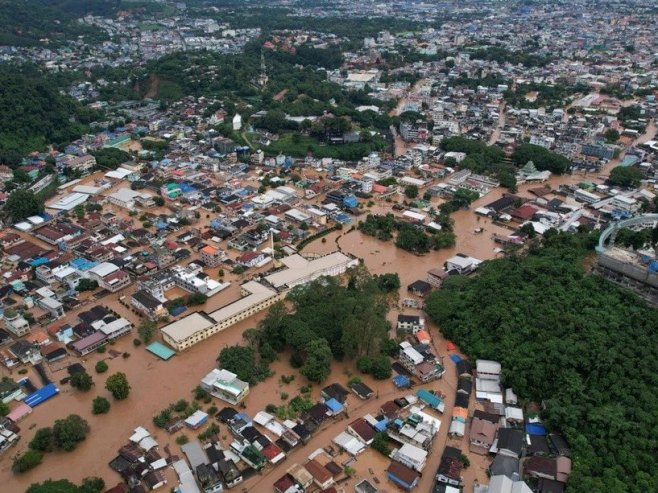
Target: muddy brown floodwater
column 155, row 383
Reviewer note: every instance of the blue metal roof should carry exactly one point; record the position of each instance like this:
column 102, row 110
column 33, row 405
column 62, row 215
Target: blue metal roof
column 381, row 425
column 535, row 429
column 429, row 398
column 41, row 395
column 334, row 405
column 401, row 381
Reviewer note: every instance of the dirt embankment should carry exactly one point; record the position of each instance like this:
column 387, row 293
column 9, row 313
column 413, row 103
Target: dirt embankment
column 154, row 86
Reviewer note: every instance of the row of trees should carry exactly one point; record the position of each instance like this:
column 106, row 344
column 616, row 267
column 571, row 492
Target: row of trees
column 89, row 485
column 594, row 340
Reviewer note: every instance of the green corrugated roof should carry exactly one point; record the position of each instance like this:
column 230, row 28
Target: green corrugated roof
column 160, row 350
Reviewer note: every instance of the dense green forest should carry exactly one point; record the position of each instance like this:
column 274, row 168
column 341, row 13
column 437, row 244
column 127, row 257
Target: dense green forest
column 571, row 340
column 328, row 320
column 51, row 22
column 34, row 115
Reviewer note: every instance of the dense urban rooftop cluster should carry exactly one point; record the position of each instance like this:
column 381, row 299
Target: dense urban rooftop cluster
column 178, row 168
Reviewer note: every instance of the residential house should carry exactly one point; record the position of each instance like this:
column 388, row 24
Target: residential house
column 504, row 465
column 301, row 476
column 557, row 469
column 286, row 484
column 362, row 391
column 54, row 308
column 144, row 302
column 482, row 436
column 229, row 472
column 321, row 475
column 16, row 324
column 209, row 479
column 411, row 456
column 510, row 442
column 420, row 361
column 25, row 352
column 127, row 198
column 419, row 288
column 461, row 264
column 212, row 256
column 347, row 442
column 403, row 476
column 410, row 323
column 250, row 259
column 503, row 484
column 435, row 277
column 83, row 164
column 362, row 430
column 334, row 391
column 450, row 467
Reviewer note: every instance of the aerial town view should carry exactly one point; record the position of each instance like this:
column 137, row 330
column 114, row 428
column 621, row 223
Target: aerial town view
column 328, row 246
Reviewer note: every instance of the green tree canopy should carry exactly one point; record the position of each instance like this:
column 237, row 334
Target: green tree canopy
column 26, row 461
column 35, row 114
column 541, row 157
column 118, row 385
column 611, row 135
column 626, row 176
column 110, row 157
column 23, row 203
column 146, row 330
column 43, row 440
column 81, row 381
column 317, row 365
column 243, row 361
column 595, row 340
column 100, row 405
column 89, row 485
column 411, row 191
column 69, row 431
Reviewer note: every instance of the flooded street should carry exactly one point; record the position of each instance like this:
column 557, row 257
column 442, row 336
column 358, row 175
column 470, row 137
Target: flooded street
column 156, row 384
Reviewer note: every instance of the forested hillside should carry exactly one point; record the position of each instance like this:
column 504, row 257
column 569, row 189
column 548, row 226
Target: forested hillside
column 34, row 22
column 35, row 114
column 584, row 347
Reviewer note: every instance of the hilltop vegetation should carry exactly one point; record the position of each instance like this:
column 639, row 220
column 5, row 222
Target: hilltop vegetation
column 50, row 22
column 573, row 341
column 34, row 115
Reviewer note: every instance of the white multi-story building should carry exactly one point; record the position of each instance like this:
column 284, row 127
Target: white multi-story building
column 225, row 385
